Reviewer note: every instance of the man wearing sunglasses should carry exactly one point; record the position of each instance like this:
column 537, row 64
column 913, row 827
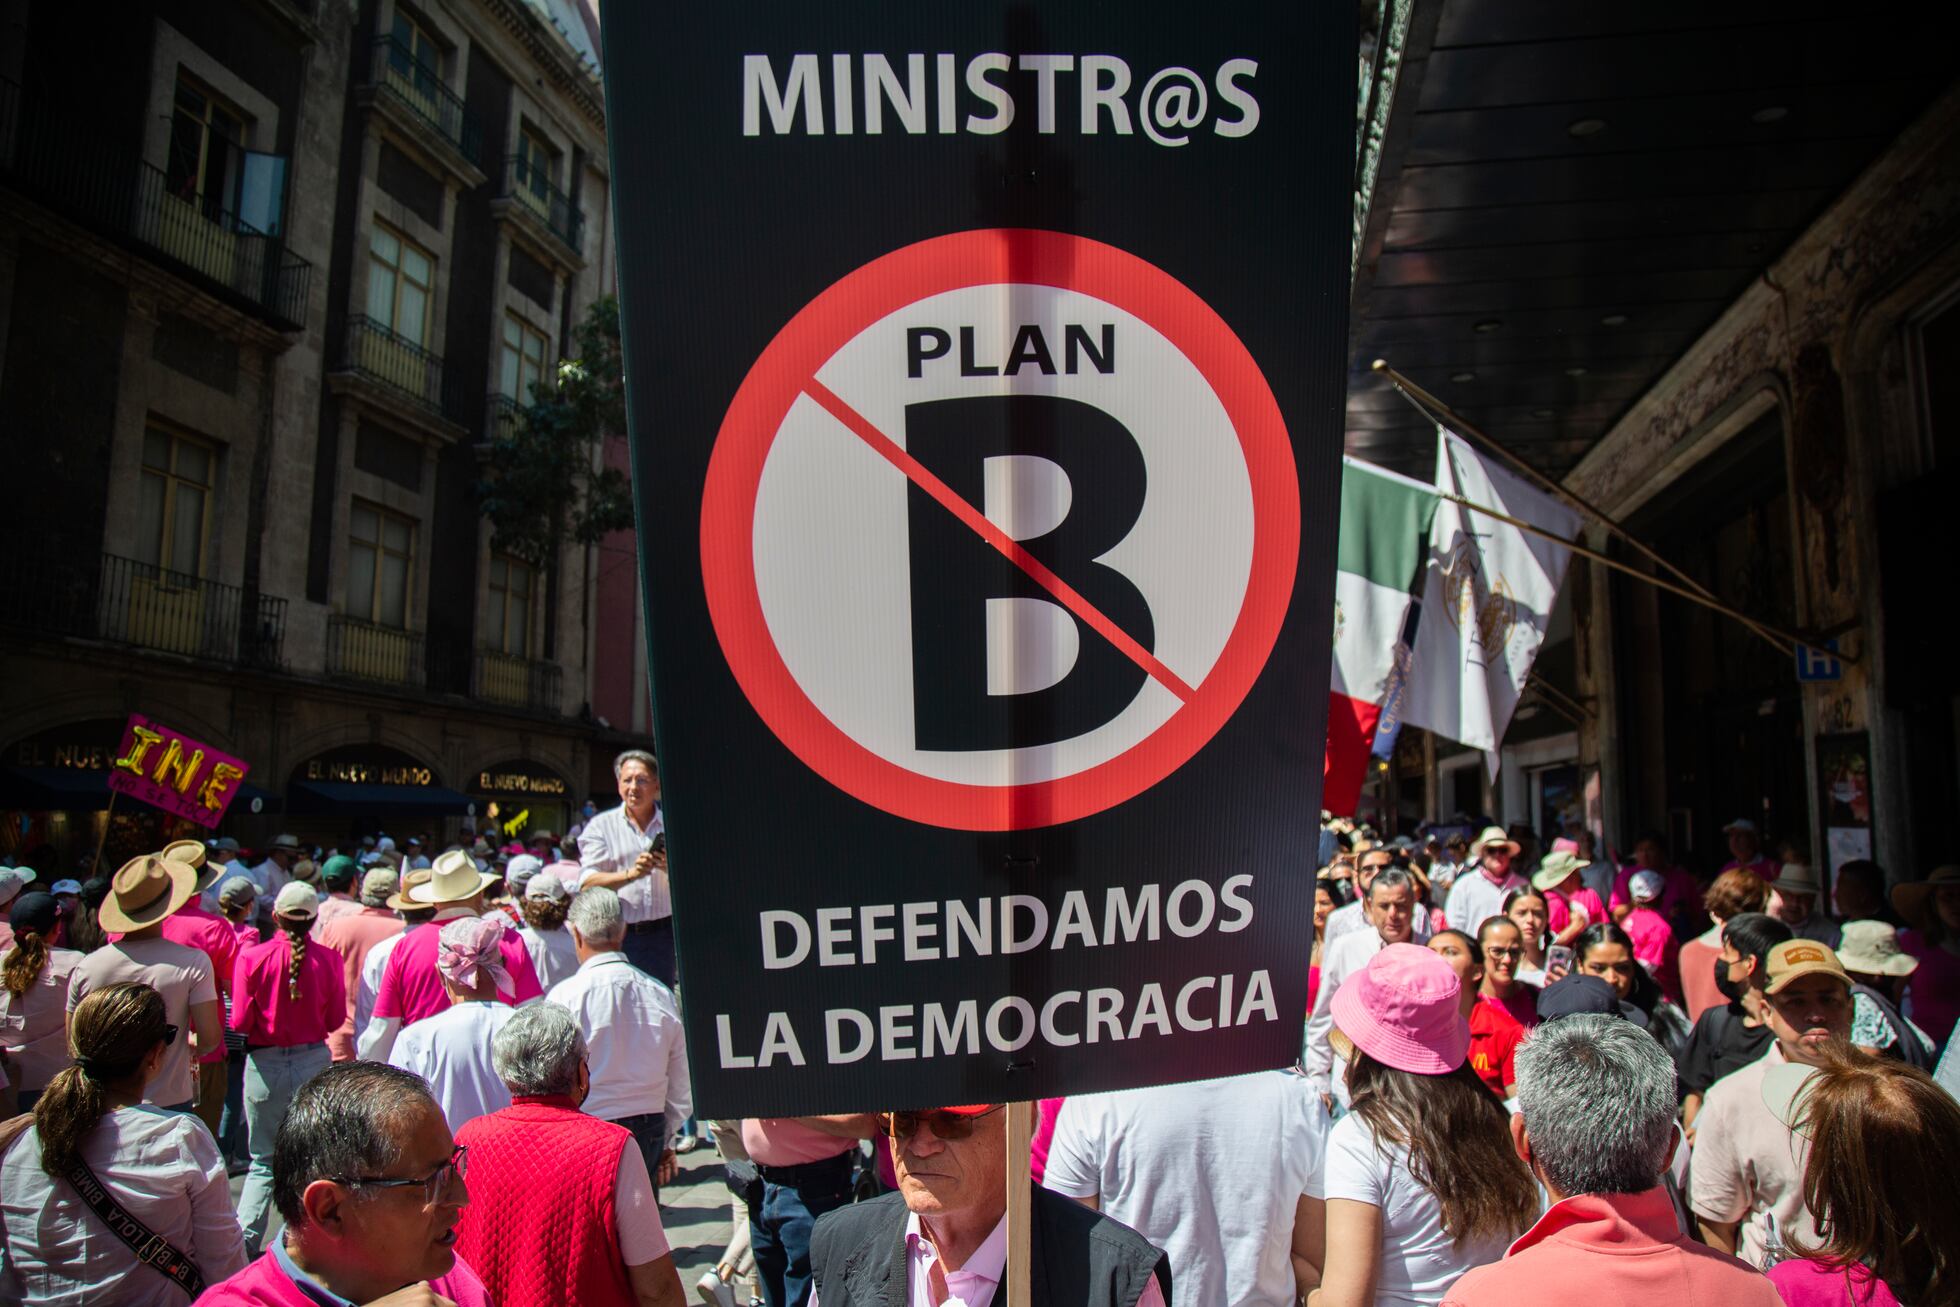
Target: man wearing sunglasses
column 943, row 1234
column 371, row 1187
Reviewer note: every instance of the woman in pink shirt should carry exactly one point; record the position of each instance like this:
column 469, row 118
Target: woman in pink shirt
column 1932, row 908
column 1569, row 905
column 1884, row 1148
column 287, row 996
column 238, row 900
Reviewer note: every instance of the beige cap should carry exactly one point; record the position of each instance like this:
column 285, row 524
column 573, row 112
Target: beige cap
column 1800, row 957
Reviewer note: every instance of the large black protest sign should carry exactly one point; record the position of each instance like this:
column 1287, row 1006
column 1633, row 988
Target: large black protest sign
column 985, row 373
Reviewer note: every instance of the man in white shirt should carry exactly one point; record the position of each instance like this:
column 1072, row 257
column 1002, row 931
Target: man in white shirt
column 1350, row 917
column 272, row 874
column 1223, row 1175
column 624, row 849
column 632, row 1027
column 1480, row 891
column 452, row 1049
column 1391, row 910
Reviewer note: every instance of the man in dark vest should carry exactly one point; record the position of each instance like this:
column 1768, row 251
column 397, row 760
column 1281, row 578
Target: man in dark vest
column 943, row 1235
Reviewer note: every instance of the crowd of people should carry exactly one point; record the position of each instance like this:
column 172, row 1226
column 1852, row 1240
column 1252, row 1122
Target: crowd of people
column 457, row 1076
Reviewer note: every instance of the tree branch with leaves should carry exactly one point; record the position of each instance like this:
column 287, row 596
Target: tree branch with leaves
column 545, row 487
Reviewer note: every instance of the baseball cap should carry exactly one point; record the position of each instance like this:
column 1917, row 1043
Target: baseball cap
column 12, row 881
column 547, row 887
column 1646, row 886
column 1742, row 824
column 1576, row 995
column 297, row 899
column 1800, row 957
column 65, row 887
column 378, row 884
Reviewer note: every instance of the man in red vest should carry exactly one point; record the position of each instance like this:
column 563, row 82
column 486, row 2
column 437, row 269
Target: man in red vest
column 561, row 1207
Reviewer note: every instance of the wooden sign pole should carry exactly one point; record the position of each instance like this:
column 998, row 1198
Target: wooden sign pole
column 1020, row 1201
column 108, row 815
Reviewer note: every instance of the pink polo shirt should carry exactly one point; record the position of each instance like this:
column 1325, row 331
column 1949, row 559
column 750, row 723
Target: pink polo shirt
column 1612, row 1248
column 785, row 1141
column 266, row 1283
column 1559, row 905
column 411, row 987
column 262, row 1006
column 1804, row 1283
column 1654, row 947
column 353, row 935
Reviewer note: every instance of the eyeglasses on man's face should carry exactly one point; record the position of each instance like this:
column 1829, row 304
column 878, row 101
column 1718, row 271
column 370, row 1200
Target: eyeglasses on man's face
column 434, row 1185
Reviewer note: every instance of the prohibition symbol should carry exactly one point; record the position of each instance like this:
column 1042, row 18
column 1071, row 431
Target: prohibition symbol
column 1000, row 529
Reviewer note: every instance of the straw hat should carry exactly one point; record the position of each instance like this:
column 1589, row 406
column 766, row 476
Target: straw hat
column 1493, row 837
column 1871, row 948
column 1914, row 899
column 453, row 878
column 399, row 900
column 192, row 851
column 1401, row 1009
column 1555, row 868
column 145, row 891
column 1795, row 878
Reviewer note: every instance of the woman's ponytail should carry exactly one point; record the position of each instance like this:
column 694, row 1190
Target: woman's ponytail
column 25, row 962
column 110, row 1033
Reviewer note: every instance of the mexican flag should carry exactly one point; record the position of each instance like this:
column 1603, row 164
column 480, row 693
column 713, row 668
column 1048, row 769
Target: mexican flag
column 1385, row 520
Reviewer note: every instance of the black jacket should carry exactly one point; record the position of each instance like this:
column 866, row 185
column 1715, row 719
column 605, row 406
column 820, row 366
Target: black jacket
column 1080, row 1258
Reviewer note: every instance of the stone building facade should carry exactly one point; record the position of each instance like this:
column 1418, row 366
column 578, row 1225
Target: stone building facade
column 271, row 272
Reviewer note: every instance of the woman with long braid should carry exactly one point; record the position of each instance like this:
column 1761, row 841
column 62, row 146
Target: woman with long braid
column 287, row 995
column 92, row 1131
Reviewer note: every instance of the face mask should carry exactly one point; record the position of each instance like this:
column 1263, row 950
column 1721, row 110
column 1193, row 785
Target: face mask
column 1732, row 990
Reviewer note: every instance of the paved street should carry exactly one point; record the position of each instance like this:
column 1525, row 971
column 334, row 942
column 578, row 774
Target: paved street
column 695, row 1209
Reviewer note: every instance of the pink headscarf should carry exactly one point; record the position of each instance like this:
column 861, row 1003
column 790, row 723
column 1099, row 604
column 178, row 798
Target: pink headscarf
column 470, row 948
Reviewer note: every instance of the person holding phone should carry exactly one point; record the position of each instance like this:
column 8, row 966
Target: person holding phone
column 624, row 849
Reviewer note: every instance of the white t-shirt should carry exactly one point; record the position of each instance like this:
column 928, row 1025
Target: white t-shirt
column 1418, row 1258
column 553, row 955
column 161, row 1167
column 1212, row 1172
column 451, row 1051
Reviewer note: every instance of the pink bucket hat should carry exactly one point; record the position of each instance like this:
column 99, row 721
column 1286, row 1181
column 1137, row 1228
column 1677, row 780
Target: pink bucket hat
column 1401, row 1010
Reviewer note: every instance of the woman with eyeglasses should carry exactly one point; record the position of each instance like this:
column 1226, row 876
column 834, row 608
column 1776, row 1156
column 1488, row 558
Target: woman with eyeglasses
column 92, row 1134
column 1503, row 945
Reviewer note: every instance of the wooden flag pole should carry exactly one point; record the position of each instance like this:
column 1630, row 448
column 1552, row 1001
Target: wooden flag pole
column 1437, row 410
column 1783, row 640
column 1020, row 1202
column 108, row 815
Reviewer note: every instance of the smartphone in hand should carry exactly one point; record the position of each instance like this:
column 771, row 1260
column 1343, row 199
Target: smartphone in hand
column 1558, row 959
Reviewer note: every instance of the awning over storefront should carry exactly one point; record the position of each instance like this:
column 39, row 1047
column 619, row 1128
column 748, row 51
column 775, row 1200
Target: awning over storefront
column 350, row 799
column 67, row 789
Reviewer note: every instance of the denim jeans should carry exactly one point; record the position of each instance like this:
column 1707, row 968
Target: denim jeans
column 231, row 1127
column 650, row 1133
column 272, row 1076
column 780, row 1236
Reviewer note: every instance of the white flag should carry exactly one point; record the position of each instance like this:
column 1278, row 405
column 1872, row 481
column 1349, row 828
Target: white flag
column 1486, row 599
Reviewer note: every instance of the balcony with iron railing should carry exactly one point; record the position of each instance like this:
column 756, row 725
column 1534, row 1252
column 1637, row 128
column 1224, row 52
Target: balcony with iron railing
column 403, row 84
column 369, row 651
column 516, row 682
column 530, row 195
column 46, row 156
column 403, row 368
column 124, row 601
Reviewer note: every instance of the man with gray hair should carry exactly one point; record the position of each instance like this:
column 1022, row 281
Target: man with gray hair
column 543, row 1155
column 371, row 1187
column 1595, row 1124
column 624, row 849
column 632, row 1029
